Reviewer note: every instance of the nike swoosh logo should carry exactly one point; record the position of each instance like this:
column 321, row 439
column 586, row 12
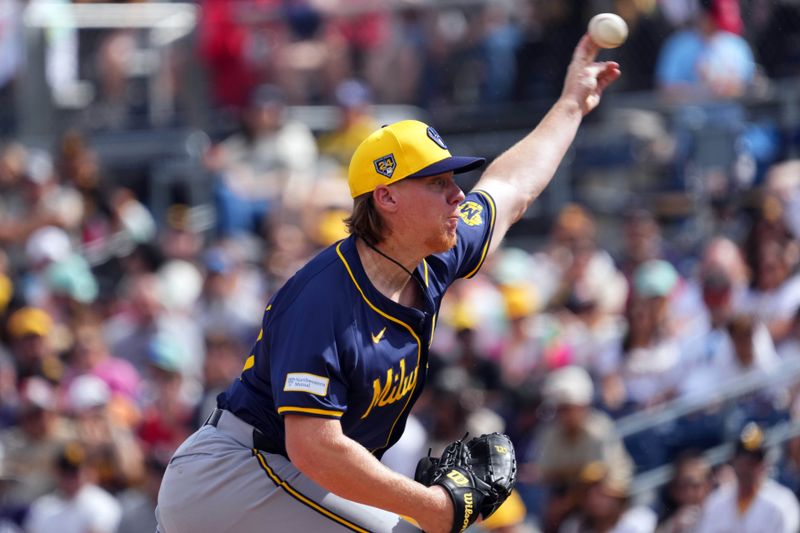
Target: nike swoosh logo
column 377, row 338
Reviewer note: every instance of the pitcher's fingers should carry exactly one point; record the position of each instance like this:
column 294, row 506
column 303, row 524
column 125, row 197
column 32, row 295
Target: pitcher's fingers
column 585, row 51
column 594, row 70
column 608, row 76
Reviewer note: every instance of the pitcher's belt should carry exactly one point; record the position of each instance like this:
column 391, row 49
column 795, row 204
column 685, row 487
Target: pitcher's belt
column 241, row 431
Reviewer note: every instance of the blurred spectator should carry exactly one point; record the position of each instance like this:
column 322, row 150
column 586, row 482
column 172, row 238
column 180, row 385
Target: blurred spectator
column 287, row 247
column 6, row 283
column 224, row 361
column 591, row 292
column 142, row 316
column 578, row 436
column 9, row 394
column 685, row 494
column 12, row 515
column 78, row 505
column 642, row 240
column 31, row 446
column 179, row 239
column 645, row 370
column 168, row 403
column 138, row 502
column 238, row 52
column 753, row 354
column 722, row 283
column 713, row 295
column 782, row 182
column 104, row 428
column 394, row 70
column 267, row 165
column 472, row 358
column 315, row 56
column 180, row 283
column 23, row 207
column 752, row 348
column 588, row 275
column 456, row 406
column 605, row 505
column 739, row 346
column 90, row 355
column 231, row 298
column 788, row 468
column 709, row 66
column 521, row 354
column 323, row 213
column 113, row 220
column 772, row 255
column 31, row 332
column 710, row 60
column 499, row 37
column 355, row 123
column 754, row 502
column 45, row 250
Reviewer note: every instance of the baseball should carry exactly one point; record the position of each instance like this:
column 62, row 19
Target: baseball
column 608, row 30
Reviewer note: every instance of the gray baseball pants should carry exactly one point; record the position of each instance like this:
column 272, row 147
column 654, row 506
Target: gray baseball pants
column 218, row 482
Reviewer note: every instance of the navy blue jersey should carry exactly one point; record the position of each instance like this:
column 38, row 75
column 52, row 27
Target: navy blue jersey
column 332, row 346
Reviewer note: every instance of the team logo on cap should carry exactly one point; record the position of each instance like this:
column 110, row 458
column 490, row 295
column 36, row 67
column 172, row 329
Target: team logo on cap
column 385, row 165
column 435, row 137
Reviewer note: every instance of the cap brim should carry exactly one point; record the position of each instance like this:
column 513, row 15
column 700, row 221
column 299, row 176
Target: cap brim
column 456, row 164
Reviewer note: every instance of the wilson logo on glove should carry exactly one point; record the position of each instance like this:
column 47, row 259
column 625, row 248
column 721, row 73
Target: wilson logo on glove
column 478, row 475
column 467, row 510
column 458, row 478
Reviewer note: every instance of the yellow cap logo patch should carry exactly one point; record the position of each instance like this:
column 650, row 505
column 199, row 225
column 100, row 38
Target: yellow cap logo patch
column 385, row 165
column 470, row 213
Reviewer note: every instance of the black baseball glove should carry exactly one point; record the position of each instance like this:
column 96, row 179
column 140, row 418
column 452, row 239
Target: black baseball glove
column 479, row 475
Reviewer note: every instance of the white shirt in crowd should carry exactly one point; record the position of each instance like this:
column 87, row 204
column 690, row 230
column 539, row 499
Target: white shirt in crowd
column 721, row 365
column 91, row 510
column 774, row 509
column 778, row 304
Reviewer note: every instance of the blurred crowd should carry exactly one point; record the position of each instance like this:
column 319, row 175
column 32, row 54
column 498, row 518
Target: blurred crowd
column 118, row 329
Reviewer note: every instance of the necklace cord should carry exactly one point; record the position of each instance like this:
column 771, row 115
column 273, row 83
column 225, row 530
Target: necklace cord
column 396, row 262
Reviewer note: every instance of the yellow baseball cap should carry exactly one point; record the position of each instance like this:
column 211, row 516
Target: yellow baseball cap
column 29, row 321
column 405, row 149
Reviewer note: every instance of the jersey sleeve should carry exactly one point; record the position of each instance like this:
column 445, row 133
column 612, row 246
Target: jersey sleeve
column 477, row 213
column 305, row 368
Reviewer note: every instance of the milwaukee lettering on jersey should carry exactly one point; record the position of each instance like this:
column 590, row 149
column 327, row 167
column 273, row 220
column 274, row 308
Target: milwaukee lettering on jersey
column 395, row 387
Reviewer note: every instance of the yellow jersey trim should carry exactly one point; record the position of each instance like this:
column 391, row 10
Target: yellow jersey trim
column 310, row 410
column 425, row 268
column 433, row 329
column 396, row 321
column 302, row 498
column 492, row 208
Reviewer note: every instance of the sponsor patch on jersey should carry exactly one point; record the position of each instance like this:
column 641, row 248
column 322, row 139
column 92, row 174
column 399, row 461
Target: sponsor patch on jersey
column 304, row 382
column 470, row 213
column 385, row 165
column 435, row 137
